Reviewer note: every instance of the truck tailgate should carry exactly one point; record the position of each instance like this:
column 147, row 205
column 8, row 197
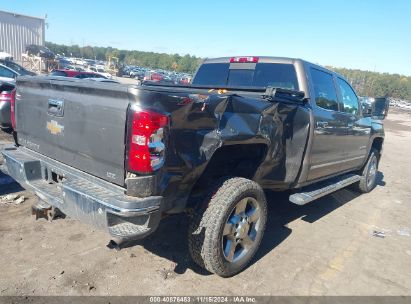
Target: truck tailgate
column 76, row 122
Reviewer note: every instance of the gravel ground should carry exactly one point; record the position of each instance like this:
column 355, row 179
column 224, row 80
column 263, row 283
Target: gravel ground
column 342, row 244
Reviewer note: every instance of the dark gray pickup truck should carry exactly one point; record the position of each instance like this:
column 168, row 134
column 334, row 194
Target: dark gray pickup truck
column 121, row 157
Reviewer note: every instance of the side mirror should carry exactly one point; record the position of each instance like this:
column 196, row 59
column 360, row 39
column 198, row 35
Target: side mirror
column 366, row 110
column 380, row 107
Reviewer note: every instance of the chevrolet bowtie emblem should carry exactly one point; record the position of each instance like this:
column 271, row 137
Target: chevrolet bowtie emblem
column 54, row 127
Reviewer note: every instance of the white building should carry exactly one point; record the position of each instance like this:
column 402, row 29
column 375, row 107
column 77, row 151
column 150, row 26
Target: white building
column 17, row 31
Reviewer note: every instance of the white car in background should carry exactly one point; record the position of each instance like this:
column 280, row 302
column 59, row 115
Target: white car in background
column 100, row 71
column 5, row 56
column 80, row 61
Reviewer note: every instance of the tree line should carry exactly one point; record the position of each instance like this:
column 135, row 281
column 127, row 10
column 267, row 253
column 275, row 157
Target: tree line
column 365, row 83
column 172, row 62
column 375, row 84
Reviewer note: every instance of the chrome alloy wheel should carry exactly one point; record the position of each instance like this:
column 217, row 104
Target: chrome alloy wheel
column 372, row 172
column 241, row 229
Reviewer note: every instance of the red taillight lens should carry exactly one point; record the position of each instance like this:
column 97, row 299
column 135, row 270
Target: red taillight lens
column 244, row 59
column 146, row 141
column 13, row 109
column 10, row 96
column 5, row 96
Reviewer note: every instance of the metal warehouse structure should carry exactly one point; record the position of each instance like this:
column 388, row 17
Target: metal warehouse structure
column 17, row 31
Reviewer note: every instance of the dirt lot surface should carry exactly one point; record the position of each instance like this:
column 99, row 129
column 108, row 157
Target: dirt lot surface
column 342, row 244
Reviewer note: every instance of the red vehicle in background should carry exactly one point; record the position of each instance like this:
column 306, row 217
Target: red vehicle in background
column 76, row 74
column 185, row 80
column 153, row 76
column 7, row 97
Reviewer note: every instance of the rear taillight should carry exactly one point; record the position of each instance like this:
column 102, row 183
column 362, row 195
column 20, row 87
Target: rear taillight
column 146, row 152
column 10, row 96
column 13, row 109
column 244, row 59
column 5, row 96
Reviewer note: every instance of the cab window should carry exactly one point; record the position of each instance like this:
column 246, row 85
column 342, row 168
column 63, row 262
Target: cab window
column 349, row 98
column 324, row 90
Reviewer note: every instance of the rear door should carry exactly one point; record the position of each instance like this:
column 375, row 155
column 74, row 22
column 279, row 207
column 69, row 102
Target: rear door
column 81, row 124
column 327, row 152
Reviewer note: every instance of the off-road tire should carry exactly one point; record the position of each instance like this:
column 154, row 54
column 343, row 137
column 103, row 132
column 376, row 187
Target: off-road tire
column 207, row 224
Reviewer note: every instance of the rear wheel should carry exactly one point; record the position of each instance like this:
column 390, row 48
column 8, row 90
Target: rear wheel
column 226, row 232
column 368, row 179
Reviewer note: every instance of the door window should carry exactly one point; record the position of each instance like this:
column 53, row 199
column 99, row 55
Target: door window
column 324, row 89
column 81, row 76
column 6, row 73
column 58, row 73
column 349, row 98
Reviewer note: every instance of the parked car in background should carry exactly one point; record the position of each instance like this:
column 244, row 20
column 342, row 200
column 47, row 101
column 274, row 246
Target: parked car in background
column 184, row 79
column 73, row 68
column 76, row 74
column 5, row 55
column 63, row 63
column 80, row 61
column 153, row 76
column 100, row 71
column 39, row 50
column 9, row 71
column 6, row 95
column 17, row 68
column 7, row 74
column 90, row 61
column 137, row 73
column 102, row 80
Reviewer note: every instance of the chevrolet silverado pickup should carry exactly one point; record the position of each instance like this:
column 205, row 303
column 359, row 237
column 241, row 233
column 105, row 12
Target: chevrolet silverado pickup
column 121, row 157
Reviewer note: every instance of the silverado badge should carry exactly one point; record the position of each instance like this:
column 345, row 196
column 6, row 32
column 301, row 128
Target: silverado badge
column 54, row 127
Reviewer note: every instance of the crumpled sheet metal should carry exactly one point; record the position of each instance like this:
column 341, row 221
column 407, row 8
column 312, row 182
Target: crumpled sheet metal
column 204, row 122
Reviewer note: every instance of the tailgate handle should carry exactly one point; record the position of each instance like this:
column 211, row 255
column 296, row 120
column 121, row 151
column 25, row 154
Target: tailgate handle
column 55, row 107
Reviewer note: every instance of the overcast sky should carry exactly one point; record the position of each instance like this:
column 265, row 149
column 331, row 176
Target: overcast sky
column 370, row 35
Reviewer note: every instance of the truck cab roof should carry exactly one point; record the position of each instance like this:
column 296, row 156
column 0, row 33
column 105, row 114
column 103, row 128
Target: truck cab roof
column 261, row 59
column 270, row 59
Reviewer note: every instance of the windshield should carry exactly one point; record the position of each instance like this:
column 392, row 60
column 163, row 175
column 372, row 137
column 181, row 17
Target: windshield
column 263, row 75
